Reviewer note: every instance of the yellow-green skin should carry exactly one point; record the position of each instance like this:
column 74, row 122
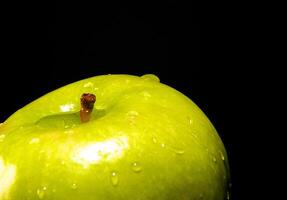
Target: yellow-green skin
column 145, row 141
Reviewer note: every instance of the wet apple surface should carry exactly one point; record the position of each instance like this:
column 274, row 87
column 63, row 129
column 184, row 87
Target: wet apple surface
column 143, row 141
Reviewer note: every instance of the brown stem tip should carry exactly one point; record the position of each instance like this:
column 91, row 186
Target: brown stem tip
column 87, row 104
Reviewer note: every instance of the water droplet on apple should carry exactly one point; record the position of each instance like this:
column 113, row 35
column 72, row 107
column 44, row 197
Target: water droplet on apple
column 190, row 121
column 41, row 192
column 222, row 156
column 214, row 159
column 154, row 140
column 228, row 195
column 150, row 77
column 88, row 84
column 69, row 131
column 132, row 113
column 114, row 178
column 136, row 167
column 162, row 145
column 2, row 137
column 34, row 141
column 146, row 95
column 194, row 135
column 74, row 186
column 178, row 151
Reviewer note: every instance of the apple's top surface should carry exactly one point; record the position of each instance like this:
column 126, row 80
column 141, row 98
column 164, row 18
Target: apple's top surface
column 108, row 89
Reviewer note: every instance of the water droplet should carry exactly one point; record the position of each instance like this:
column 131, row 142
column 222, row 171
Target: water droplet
column 2, row 137
column 214, row 159
column 34, row 141
column 132, row 115
column 194, row 135
column 154, row 140
column 136, row 167
column 66, row 126
column 190, row 121
column 162, row 145
column 228, row 195
column 150, row 77
column 222, row 156
column 41, row 192
column 89, row 84
column 74, row 186
column 146, row 95
column 114, row 178
column 178, row 151
column 69, row 131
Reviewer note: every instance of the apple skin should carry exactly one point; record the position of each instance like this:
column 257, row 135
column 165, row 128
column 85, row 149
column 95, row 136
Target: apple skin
column 145, row 141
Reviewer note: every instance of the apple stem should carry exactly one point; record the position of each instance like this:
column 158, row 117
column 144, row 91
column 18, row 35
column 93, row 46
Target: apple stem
column 87, row 104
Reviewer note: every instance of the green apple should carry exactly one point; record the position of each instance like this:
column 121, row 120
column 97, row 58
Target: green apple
column 143, row 141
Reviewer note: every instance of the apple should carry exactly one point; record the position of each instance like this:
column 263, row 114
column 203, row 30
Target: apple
column 137, row 139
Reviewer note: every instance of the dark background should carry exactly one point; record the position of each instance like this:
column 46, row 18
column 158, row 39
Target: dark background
column 197, row 49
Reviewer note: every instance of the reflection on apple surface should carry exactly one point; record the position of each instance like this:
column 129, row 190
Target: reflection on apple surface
column 100, row 151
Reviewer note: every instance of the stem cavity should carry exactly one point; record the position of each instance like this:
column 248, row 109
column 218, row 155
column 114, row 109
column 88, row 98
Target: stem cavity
column 87, row 105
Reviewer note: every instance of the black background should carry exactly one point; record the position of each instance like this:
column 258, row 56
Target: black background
column 197, row 49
